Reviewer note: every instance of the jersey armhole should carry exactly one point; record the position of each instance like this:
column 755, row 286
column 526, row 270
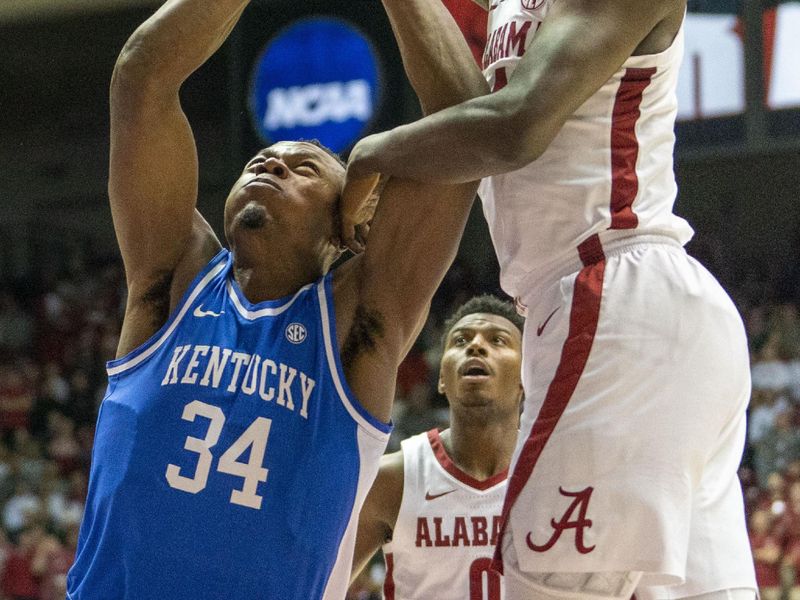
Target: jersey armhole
column 139, row 355
column 372, row 426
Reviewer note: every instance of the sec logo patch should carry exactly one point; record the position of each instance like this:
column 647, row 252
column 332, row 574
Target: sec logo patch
column 296, row 333
column 532, row 4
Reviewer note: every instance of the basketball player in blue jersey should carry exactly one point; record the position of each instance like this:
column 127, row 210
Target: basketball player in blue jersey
column 435, row 506
column 249, row 404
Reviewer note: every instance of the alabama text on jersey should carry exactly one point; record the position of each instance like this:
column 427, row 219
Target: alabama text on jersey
column 446, row 529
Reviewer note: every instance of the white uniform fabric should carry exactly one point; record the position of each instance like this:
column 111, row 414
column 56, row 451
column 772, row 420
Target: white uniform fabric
column 609, row 169
column 636, row 384
column 635, row 360
column 446, row 529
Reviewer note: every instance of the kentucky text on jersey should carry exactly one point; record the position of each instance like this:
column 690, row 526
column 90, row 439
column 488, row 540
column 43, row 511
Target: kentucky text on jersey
column 457, row 531
column 234, row 372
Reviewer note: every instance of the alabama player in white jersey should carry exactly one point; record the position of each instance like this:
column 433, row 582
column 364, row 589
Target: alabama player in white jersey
column 435, row 505
column 635, row 361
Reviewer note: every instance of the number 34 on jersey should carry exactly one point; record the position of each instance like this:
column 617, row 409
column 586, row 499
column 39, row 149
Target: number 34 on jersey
column 251, row 471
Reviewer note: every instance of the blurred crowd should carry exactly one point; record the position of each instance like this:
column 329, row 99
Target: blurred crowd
column 770, row 472
column 56, row 332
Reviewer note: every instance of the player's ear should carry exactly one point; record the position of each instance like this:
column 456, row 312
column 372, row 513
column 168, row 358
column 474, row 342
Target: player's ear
column 440, row 385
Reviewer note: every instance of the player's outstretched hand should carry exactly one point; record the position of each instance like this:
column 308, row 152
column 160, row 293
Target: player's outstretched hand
column 359, row 199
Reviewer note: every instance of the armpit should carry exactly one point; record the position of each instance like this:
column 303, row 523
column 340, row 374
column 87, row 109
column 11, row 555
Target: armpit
column 157, row 298
column 368, row 326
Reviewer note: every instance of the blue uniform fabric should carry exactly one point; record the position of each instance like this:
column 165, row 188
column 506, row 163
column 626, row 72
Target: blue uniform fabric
column 180, row 505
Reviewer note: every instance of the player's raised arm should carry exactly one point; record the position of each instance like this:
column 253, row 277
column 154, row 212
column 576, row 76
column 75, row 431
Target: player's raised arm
column 153, row 177
column 437, row 60
column 413, row 239
column 377, row 518
column 439, row 66
column 578, row 47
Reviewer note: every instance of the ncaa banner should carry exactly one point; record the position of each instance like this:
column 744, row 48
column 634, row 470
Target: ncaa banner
column 319, row 78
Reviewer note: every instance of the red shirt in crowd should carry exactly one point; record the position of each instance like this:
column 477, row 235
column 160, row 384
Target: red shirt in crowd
column 767, row 573
column 18, row 580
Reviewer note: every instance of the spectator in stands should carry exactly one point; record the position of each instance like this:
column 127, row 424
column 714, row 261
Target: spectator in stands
column 779, row 446
column 62, row 446
column 765, row 406
column 51, row 564
column 766, row 554
column 773, row 494
column 16, row 326
column 21, row 507
column 16, row 399
column 18, row 581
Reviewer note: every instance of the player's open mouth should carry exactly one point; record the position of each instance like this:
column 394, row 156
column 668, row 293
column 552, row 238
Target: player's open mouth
column 474, row 369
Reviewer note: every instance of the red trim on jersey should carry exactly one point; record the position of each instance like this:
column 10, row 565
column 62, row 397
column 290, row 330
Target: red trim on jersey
column 388, row 580
column 583, row 320
column 625, row 146
column 591, row 250
column 500, row 79
column 448, row 465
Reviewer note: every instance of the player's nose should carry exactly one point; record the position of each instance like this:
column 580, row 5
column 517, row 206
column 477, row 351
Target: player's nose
column 275, row 166
column 477, row 346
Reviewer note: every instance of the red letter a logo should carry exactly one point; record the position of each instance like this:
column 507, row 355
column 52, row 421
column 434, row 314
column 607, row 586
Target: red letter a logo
column 581, row 502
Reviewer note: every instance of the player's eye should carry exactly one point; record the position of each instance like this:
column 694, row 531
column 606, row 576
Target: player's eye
column 310, row 166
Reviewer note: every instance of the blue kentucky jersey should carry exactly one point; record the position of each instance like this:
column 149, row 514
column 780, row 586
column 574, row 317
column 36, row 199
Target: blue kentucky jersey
column 230, row 459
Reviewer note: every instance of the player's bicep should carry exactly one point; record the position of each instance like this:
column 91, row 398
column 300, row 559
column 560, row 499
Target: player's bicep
column 412, row 243
column 152, row 179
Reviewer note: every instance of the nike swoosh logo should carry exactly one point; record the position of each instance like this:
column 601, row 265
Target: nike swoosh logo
column 541, row 327
column 429, row 496
column 200, row 313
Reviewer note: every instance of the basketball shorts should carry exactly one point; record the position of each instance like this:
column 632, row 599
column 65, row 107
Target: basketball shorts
column 636, row 373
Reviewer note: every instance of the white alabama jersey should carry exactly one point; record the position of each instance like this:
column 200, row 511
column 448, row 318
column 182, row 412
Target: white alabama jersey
column 608, row 171
column 446, row 529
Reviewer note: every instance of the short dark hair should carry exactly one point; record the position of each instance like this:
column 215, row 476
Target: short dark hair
column 328, row 151
column 485, row 303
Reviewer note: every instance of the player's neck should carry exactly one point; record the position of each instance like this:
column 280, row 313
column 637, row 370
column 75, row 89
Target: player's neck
column 268, row 276
column 481, row 450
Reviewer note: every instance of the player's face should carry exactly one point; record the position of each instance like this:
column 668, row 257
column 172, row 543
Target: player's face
column 290, row 187
column 481, row 362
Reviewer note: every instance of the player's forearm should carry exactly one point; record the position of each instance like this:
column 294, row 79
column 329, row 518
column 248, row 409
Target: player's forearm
column 177, row 40
column 435, row 54
column 463, row 143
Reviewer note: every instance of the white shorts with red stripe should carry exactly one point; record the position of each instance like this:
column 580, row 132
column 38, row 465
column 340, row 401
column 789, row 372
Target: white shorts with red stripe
column 637, row 379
